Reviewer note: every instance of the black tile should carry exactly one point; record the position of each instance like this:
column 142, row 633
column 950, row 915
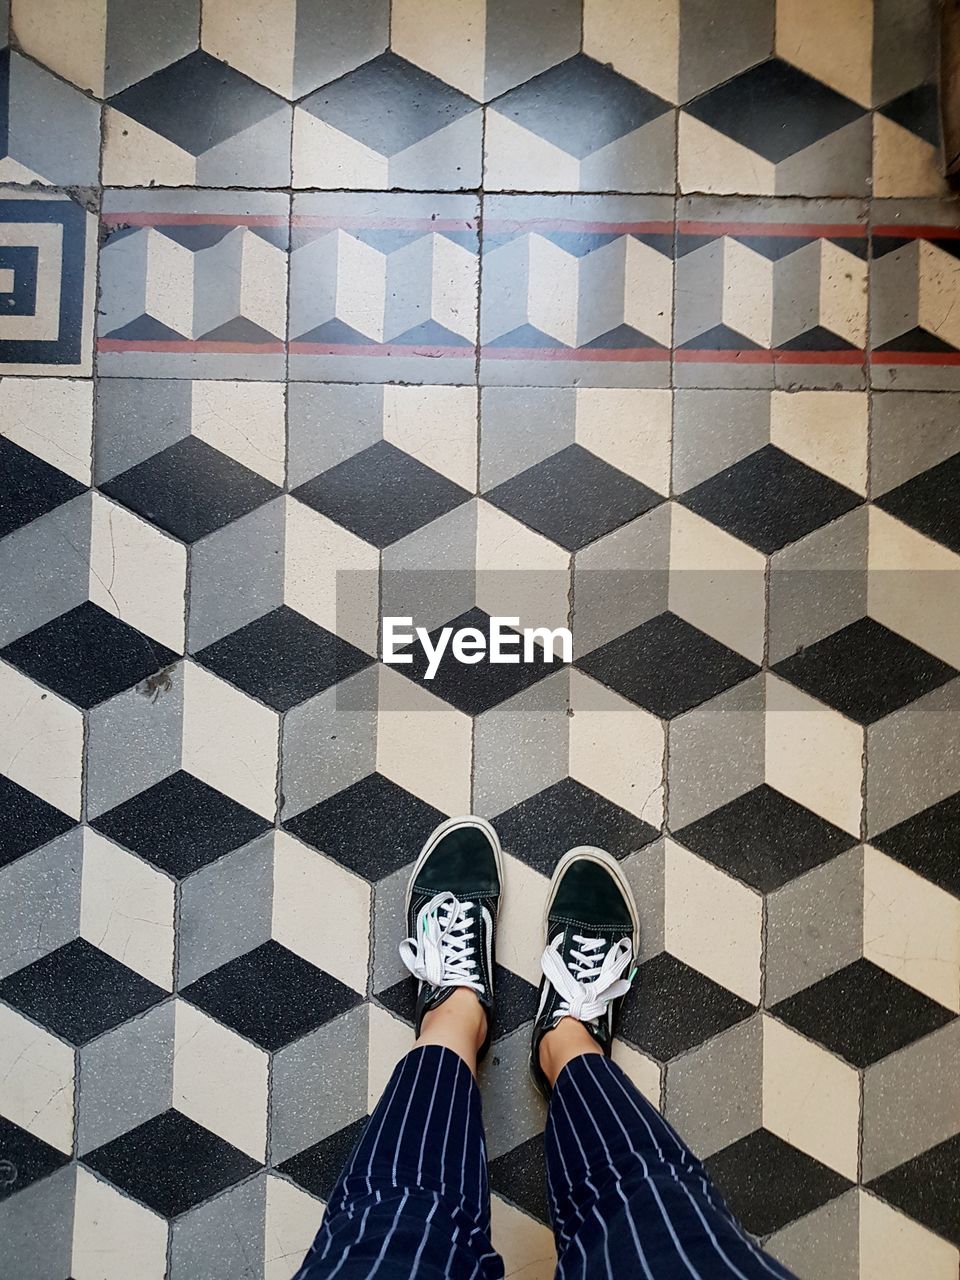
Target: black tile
column 381, row 494
column 170, row 1163
column 926, row 1188
column 31, row 487
column 573, row 497
column 282, row 658
column 78, row 991
column 520, row 1177
column 373, row 827
column 862, row 1013
column 318, row 1168
column 542, row 828
column 25, row 1158
column 917, row 110
column 197, row 102
column 190, row 489
column 475, row 688
column 774, row 109
column 770, row 499
column 672, row 1007
column 271, row 995
column 580, row 106
column 928, row 843
column 930, row 502
column 764, row 838
column 87, row 655
column 180, row 824
column 28, row 821
column 389, row 104
column 767, row 1183
column 667, row 666
column 865, row 671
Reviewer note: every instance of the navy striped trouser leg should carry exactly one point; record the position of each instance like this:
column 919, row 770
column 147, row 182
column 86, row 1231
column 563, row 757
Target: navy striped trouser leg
column 413, row 1199
column 628, row 1198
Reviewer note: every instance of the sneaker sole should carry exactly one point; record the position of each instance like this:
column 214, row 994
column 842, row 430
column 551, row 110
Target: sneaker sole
column 605, row 859
column 445, row 828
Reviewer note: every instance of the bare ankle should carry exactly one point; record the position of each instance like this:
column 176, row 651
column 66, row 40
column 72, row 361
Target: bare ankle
column 568, row 1039
column 460, row 1019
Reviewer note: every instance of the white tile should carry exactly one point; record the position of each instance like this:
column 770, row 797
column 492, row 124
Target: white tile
column 246, row 421
column 712, row 922
column 220, row 1080
column 389, row 1040
column 893, row 1246
column 293, row 1219
column 41, row 741
column 321, row 911
column 631, row 776
column 437, row 426
column 126, row 909
column 115, row 1238
column 424, row 744
column 230, row 741
column 53, row 418
column 526, row 1245
column 36, row 1072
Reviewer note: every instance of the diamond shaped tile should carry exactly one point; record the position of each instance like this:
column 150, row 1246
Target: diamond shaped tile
column 666, row 666
column 28, row 1157
column 927, row 842
column 928, row 503
column 373, row 827
column 768, row 1183
column 774, row 109
column 388, row 104
column 541, row 829
column 190, row 489
column 197, row 103
column 180, row 824
column 765, row 838
column 474, row 689
column 674, row 1007
column 29, row 821
column 78, row 991
column 580, row 106
column 381, row 494
column 31, row 487
column 271, row 995
column 573, row 497
column 519, row 1176
column 87, row 655
column 283, row 658
column 318, row 1167
column 862, row 1013
column 925, row 1186
column 865, row 671
column 170, row 1163
column 770, row 499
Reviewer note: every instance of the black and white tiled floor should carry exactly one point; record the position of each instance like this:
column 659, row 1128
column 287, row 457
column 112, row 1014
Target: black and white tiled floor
column 636, row 316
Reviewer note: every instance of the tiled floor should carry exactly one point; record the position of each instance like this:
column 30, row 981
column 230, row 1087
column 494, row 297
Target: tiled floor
column 642, row 317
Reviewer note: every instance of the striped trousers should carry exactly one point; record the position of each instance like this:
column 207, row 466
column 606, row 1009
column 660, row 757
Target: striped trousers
column 627, row 1197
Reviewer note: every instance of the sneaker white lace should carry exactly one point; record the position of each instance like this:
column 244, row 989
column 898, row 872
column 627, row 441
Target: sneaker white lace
column 590, row 978
column 442, row 955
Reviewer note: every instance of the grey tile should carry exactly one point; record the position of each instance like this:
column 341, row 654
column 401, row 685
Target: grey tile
column 713, row 1095
column 53, row 130
column 911, row 431
column 389, row 927
column 319, row 1084
column 126, row 1077
column 824, row 1244
column 137, row 44
column 328, row 424
column 621, row 581
column 717, row 43
column 925, row 1070
column 236, row 574
column 44, row 568
column 814, row 926
column 329, row 742
column 520, row 426
column 522, row 746
column 225, row 909
column 224, row 1238
column 513, row 1110
column 522, row 41
column 714, row 429
column 334, row 36
column 644, row 870
column 40, row 901
column 913, row 758
column 716, row 752
column 133, row 741
column 36, row 1228
column 136, row 418
column 431, row 574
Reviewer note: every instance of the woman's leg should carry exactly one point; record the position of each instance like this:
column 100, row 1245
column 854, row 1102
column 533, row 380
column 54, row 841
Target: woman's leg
column 627, row 1196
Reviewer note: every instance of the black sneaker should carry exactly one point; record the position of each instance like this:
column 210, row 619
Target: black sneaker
column 592, row 935
column 452, row 904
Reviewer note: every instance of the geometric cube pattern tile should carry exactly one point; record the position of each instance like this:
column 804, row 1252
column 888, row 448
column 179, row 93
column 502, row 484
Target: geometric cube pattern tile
column 596, row 315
